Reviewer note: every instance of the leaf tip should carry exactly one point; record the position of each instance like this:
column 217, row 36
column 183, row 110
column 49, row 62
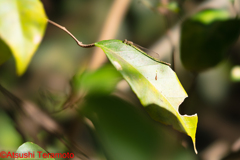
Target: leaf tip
column 194, row 136
column 20, row 70
column 21, row 66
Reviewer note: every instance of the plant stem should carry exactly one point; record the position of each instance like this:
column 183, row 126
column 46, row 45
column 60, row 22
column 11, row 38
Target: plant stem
column 65, row 29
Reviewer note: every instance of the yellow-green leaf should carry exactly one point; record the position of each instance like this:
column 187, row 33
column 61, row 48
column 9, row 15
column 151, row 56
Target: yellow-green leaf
column 155, row 84
column 22, row 25
column 36, row 151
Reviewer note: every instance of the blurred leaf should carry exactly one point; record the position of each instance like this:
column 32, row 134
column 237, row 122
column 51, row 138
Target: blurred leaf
column 123, row 131
column 10, row 139
column 173, row 6
column 206, row 37
column 101, row 81
column 232, row 1
column 5, row 52
column 209, row 16
column 235, row 73
column 155, row 84
column 32, row 148
column 22, row 27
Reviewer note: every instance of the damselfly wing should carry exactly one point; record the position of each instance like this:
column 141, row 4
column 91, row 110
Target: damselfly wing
column 151, row 54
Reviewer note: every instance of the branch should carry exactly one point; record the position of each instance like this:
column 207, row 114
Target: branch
column 10, row 96
column 109, row 30
column 42, row 119
column 65, row 29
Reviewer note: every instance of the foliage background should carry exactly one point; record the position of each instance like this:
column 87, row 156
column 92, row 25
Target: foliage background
column 124, row 132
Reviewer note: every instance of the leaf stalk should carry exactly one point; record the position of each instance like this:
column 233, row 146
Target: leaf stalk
column 69, row 33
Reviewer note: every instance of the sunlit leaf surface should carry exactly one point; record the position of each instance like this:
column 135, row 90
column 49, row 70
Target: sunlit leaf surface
column 155, row 84
column 22, row 25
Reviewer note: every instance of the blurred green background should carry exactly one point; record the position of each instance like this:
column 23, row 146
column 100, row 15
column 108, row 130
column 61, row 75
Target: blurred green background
column 106, row 120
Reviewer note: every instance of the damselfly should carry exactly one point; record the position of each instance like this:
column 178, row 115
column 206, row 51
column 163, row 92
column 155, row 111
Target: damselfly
column 140, row 49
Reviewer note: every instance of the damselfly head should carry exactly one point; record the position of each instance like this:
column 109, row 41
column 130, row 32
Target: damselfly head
column 128, row 42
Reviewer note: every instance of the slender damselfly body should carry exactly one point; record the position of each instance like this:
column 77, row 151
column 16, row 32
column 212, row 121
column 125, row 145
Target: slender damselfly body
column 138, row 48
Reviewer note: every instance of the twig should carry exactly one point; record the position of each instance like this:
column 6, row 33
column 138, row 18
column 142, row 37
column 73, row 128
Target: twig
column 10, row 96
column 109, row 30
column 65, row 29
column 74, row 148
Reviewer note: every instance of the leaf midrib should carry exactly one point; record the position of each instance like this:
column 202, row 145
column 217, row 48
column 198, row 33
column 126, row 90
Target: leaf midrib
column 106, row 48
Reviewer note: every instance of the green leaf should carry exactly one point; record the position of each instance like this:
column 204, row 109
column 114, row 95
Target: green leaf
column 124, row 132
column 101, row 81
column 10, row 138
column 22, row 25
column 209, row 16
column 173, row 6
column 206, row 37
column 155, row 84
column 32, row 148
